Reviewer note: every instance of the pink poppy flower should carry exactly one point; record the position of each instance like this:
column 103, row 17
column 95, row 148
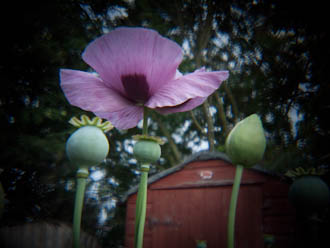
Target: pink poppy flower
column 136, row 67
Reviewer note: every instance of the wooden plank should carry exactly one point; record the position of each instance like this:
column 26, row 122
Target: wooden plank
column 278, row 224
column 248, row 226
column 277, row 206
column 208, row 164
column 275, row 188
column 180, row 217
column 203, row 184
column 184, row 217
column 192, row 176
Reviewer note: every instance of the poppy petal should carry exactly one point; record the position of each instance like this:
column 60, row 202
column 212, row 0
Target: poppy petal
column 197, row 84
column 133, row 51
column 125, row 118
column 87, row 91
column 186, row 106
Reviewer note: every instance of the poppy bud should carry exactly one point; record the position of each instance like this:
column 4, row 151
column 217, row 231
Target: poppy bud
column 87, row 146
column 147, row 151
column 246, row 143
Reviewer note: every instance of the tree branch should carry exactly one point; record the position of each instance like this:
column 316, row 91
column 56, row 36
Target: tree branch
column 195, row 121
column 222, row 115
column 203, row 37
column 173, row 146
column 210, row 126
column 232, row 101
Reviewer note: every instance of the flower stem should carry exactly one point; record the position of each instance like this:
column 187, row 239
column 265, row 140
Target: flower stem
column 232, row 206
column 141, row 201
column 141, row 207
column 81, row 176
column 145, row 121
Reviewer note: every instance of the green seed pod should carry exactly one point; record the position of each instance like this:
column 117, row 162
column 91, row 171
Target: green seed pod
column 309, row 193
column 246, row 143
column 87, row 146
column 147, row 151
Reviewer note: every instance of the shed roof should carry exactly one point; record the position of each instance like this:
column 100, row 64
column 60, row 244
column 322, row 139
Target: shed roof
column 199, row 156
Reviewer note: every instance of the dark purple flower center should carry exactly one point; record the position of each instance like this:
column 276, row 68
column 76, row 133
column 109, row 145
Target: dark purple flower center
column 136, row 87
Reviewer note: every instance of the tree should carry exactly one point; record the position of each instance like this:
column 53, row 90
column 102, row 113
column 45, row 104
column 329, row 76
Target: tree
column 40, row 39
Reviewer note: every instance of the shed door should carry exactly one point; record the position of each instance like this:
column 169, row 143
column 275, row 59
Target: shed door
column 180, row 217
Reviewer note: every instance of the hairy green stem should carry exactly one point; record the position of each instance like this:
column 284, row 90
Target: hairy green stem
column 145, row 121
column 141, row 201
column 232, row 206
column 141, row 208
column 81, row 176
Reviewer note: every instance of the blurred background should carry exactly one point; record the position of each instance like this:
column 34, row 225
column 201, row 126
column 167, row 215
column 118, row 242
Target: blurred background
column 277, row 53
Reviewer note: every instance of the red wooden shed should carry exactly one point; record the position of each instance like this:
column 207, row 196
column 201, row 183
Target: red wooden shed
column 190, row 202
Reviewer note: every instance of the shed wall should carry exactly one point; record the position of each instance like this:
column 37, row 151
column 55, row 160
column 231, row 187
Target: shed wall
column 192, row 204
column 278, row 213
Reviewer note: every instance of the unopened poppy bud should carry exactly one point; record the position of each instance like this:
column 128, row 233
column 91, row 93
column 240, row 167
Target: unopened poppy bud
column 147, row 151
column 87, row 146
column 246, row 143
